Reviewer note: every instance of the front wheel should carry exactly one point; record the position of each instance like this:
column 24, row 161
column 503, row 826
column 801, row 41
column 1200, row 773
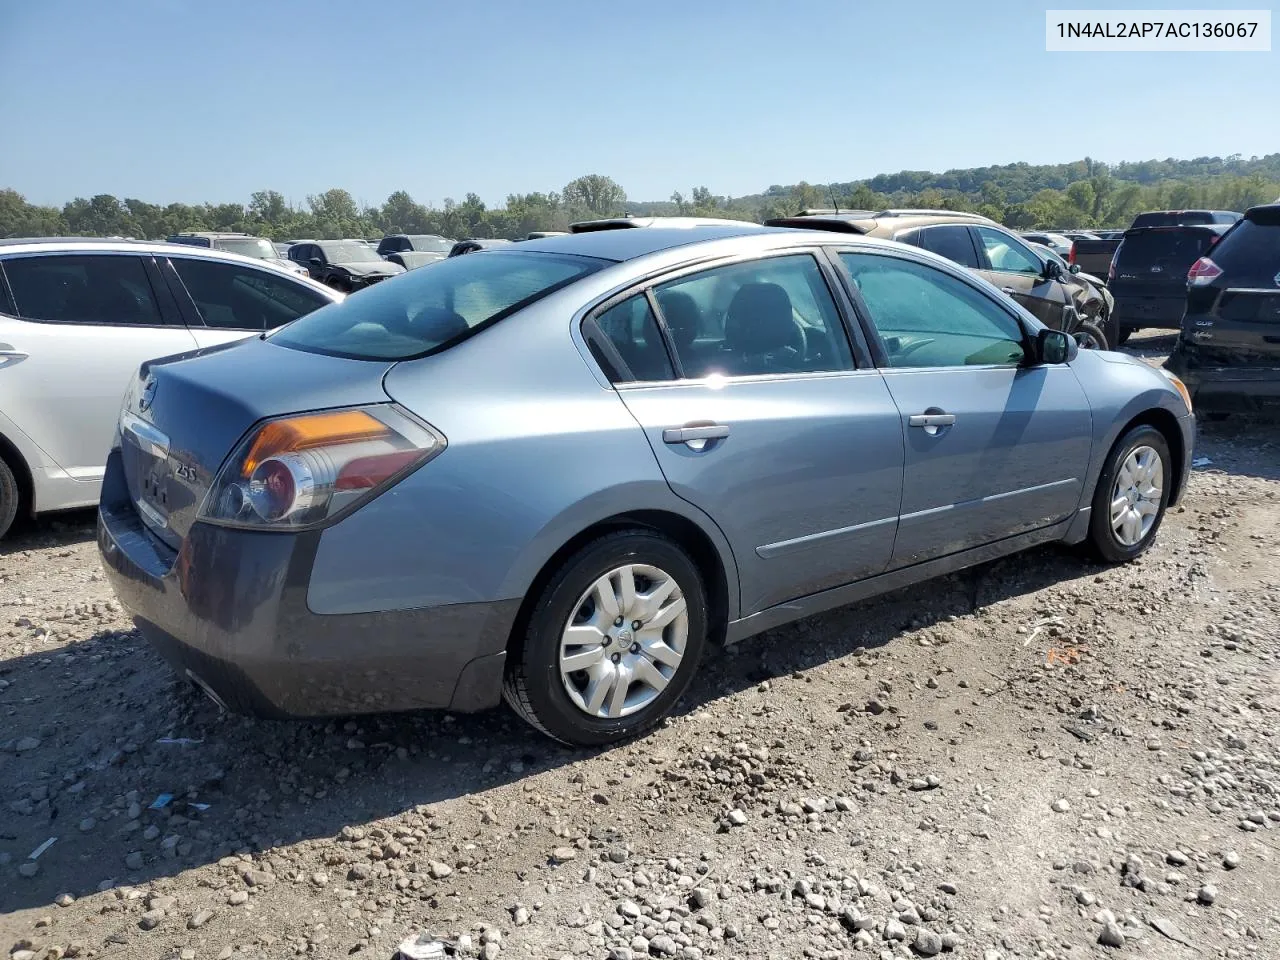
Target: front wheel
column 1132, row 494
column 1089, row 336
column 612, row 642
column 9, row 494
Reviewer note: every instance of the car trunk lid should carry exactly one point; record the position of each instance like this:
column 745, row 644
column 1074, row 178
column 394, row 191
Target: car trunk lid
column 189, row 411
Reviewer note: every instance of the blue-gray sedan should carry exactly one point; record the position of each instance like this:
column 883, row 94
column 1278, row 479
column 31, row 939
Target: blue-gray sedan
column 558, row 471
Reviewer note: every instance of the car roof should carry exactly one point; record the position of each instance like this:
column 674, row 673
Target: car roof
column 865, row 221
column 623, row 244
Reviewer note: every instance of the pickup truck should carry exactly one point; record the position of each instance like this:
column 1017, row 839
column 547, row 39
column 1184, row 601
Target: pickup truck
column 1093, row 256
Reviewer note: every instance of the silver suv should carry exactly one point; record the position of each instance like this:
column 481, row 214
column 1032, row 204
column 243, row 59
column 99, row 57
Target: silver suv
column 78, row 317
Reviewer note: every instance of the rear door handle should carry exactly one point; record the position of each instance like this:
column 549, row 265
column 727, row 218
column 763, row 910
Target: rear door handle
column 712, row 431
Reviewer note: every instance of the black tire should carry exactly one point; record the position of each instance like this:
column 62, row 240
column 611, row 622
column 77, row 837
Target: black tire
column 533, row 686
column 1102, row 540
column 10, row 496
column 1090, row 336
column 1110, row 327
column 1125, row 333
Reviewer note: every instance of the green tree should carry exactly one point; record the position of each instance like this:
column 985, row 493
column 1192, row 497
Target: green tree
column 595, row 196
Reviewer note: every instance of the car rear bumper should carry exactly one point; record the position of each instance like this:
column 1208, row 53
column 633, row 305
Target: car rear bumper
column 229, row 612
column 1240, row 389
column 1149, row 311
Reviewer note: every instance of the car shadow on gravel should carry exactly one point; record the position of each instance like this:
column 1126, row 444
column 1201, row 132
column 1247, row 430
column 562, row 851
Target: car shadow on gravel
column 140, row 777
column 49, row 530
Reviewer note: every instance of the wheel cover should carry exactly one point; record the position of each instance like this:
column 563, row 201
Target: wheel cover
column 1136, row 496
column 624, row 641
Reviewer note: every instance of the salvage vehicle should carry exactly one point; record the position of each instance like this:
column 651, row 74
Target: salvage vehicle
column 1228, row 348
column 344, row 265
column 1148, row 274
column 77, row 317
column 1094, row 256
column 1057, row 242
column 988, row 249
column 558, row 471
column 1085, row 288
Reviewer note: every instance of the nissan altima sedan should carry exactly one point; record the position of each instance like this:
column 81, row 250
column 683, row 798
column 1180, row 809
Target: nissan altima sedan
column 558, row 471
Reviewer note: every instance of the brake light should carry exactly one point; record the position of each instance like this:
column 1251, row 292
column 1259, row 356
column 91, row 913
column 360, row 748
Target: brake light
column 298, row 471
column 1071, row 254
column 1111, row 267
column 1203, row 272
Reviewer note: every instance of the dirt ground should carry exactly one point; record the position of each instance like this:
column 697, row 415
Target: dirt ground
column 1019, row 761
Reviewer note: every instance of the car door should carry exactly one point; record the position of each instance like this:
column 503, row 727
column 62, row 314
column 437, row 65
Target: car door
column 224, row 301
column 1013, row 267
column 760, row 416
column 994, row 447
column 87, row 322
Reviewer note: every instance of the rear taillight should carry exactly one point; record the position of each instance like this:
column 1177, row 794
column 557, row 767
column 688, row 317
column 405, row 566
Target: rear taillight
column 1203, row 272
column 1111, row 267
column 1071, row 254
column 302, row 470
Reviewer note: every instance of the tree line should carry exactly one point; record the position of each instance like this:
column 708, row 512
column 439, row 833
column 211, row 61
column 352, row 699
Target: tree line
column 1082, row 194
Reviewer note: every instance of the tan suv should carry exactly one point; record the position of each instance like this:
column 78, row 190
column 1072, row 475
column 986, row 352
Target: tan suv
column 1056, row 297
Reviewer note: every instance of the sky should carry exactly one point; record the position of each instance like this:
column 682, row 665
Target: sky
column 166, row 100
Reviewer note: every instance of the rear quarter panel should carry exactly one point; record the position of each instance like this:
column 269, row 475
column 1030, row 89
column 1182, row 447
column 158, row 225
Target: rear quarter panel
column 538, row 450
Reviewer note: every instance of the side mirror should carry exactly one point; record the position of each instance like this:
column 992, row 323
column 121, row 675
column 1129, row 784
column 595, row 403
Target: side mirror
column 1054, row 346
column 315, row 262
column 1075, row 268
column 1051, row 270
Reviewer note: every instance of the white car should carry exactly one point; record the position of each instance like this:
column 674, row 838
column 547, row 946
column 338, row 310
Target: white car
column 78, row 317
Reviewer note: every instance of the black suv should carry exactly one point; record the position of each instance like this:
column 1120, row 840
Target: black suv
column 1149, row 270
column 342, row 264
column 1228, row 351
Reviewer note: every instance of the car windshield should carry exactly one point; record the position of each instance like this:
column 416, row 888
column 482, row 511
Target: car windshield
column 428, row 244
column 249, row 247
column 427, row 310
column 348, row 251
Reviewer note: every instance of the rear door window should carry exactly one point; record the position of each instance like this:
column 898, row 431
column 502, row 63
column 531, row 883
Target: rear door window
column 105, row 289
column 953, row 242
column 233, row 297
column 633, row 336
column 428, row 310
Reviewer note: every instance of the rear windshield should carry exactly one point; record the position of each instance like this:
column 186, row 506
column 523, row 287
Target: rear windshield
column 1161, row 245
column 1251, row 250
column 426, row 310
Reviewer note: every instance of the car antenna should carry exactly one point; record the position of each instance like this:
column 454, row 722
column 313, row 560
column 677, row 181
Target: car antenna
column 832, row 193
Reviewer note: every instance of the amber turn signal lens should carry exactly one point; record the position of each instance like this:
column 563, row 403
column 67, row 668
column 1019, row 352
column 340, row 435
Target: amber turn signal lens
column 312, row 430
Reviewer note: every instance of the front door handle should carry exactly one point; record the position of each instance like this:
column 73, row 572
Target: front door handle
column 710, row 431
column 1007, row 290
column 931, row 422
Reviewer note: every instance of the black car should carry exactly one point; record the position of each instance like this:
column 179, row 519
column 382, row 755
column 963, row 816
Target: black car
column 1148, row 274
column 342, row 264
column 418, row 242
column 1174, row 218
column 1228, row 350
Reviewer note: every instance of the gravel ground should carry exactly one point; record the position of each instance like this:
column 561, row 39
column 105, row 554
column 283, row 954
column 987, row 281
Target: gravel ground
column 1041, row 757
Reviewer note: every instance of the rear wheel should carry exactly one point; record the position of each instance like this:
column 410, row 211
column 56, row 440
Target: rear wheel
column 1110, row 326
column 1124, row 334
column 612, row 642
column 1132, row 494
column 9, row 495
